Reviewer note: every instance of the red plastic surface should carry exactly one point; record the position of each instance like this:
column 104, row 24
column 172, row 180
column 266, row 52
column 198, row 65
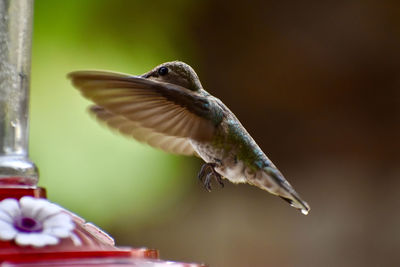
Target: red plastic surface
column 96, row 248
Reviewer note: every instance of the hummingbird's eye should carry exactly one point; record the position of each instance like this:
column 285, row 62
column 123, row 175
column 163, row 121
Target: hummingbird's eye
column 163, row 71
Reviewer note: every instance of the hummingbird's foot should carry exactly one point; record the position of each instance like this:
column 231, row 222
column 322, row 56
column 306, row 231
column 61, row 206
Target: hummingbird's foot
column 207, row 172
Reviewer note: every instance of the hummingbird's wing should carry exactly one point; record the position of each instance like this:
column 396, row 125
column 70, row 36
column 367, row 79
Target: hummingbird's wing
column 166, row 109
column 170, row 144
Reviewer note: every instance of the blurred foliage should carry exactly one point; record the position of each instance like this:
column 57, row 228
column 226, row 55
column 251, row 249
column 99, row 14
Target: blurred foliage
column 315, row 84
column 83, row 166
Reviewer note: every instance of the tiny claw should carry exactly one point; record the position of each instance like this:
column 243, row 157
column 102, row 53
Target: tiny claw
column 207, row 182
column 219, row 180
column 207, row 172
column 202, row 172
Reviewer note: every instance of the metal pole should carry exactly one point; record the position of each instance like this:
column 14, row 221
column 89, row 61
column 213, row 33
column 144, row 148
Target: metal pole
column 15, row 60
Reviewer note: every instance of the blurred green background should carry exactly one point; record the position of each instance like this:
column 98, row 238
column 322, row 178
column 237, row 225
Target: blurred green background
column 316, row 84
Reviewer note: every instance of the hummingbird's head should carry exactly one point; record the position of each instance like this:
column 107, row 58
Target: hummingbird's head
column 175, row 72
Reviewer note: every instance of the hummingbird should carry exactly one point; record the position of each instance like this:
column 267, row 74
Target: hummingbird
column 169, row 109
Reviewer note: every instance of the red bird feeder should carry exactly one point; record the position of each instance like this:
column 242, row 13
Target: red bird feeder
column 34, row 231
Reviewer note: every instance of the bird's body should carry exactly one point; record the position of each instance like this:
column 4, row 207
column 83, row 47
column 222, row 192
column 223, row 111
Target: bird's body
column 169, row 109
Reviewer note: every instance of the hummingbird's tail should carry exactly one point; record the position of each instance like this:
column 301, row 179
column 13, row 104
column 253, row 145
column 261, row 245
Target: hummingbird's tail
column 296, row 202
column 276, row 184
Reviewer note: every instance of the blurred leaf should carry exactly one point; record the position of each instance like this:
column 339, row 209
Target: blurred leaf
column 85, row 167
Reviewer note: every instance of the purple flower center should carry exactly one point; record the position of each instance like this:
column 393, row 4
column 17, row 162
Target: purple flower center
column 28, row 225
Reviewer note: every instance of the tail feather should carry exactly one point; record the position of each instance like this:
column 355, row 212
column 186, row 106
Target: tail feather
column 298, row 204
column 275, row 183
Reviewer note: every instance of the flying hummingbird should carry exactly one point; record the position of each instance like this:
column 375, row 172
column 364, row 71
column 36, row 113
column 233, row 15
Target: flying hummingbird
column 168, row 108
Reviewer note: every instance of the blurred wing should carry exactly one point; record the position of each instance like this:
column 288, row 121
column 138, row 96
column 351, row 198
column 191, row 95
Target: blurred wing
column 161, row 114
column 170, row 144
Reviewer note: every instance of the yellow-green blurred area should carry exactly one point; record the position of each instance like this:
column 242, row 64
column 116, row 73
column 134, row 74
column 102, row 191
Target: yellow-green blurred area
column 85, row 167
column 315, row 83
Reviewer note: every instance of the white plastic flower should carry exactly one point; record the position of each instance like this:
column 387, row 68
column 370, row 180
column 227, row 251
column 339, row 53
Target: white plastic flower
column 33, row 221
